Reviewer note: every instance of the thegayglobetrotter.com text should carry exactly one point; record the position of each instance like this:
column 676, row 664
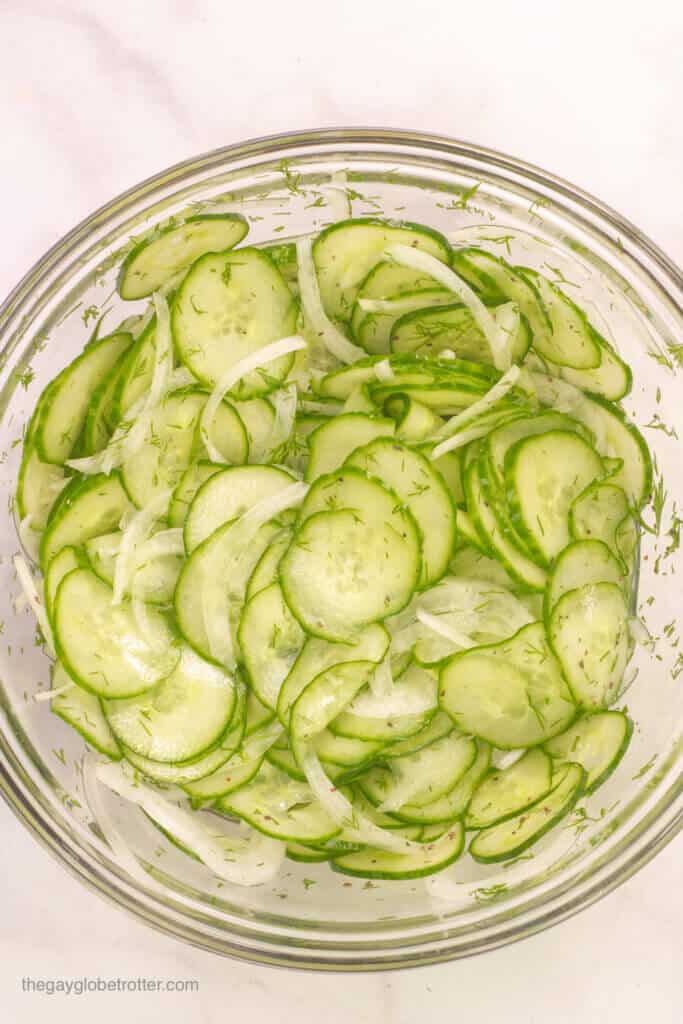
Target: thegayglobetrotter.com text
column 90, row 984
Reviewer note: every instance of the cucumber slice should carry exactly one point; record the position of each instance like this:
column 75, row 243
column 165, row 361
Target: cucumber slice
column 345, row 252
column 282, row 757
column 503, row 438
column 414, row 421
column 380, row 864
column 324, row 698
column 64, row 412
column 373, row 329
column 597, row 742
column 179, row 719
column 258, row 416
column 258, row 714
column 217, row 559
column 421, row 778
column 237, row 771
column 168, row 448
column 61, row 565
column 267, row 568
column 612, row 379
column 83, row 712
column 543, row 475
column 335, row 439
column 439, row 726
column 134, row 378
column 512, row 837
column 226, row 496
column 507, row 792
column 511, row 694
column 422, row 491
column 229, row 306
column 101, row 645
column 280, row 807
column 167, row 251
column 473, row 564
column 271, row 641
column 183, row 773
column 598, row 513
column 302, row 854
column 38, row 487
column 589, row 633
column 339, row 750
column 87, row 508
column 317, row 655
column 492, row 538
column 428, row 332
column 342, row 572
column 99, row 419
column 192, row 479
column 498, row 282
column 455, row 802
column 573, row 343
column 581, row 563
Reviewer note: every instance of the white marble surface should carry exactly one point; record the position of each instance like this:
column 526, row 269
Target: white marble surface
column 96, row 95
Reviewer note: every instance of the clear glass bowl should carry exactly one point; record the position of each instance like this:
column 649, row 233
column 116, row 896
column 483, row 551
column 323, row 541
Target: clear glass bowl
column 309, row 916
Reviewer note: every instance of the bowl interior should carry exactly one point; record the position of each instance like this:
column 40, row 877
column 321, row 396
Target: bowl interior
column 285, row 187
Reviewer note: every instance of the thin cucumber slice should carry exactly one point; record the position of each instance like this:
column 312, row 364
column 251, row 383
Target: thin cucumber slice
column 581, row 563
column 498, row 282
column 167, row 251
column 408, row 371
column 282, row 757
column 543, row 475
column 38, row 487
column 422, row 492
column 87, row 508
column 229, row 306
column 83, row 712
column 280, row 807
column 512, row 837
column 335, row 439
column 429, row 332
column 492, row 538
column 317, row 655
column 440, row 725
column 226, row 496
column 455, row 802
column 342, row 572
column 168, row 448
column 598, row 513
column 324, row 698
column 270, row 640
column 302, row 854
column 589, row 633
column 508, row 791
column 180, row 718
column 345, row 252
column 61, row 565
column 258, row 714
column 468, row 532
column 434, row 857
column 414, row 421
column 471, row 563
column 448, row 466
column 612, row 379
column 388, row 729
column 511, row 694
column 339, row 750
column 423, row 777
column 184, row 773
column 218, row 559
column 135, row 375
column 615, row 436
column 63, row 414
column 237, row 771
column 597, row 742
column 192, row 479
column 99, row 423
column 267, row 568
column 228, row 435
column 573, row 343
column 501, row 440
column 102, row 647
column 374, row 328
column 258, row 416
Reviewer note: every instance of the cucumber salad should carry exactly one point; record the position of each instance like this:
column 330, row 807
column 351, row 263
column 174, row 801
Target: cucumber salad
column 334, row 546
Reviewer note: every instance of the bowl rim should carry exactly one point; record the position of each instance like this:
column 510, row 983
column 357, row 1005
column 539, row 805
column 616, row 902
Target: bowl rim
column 616, row 869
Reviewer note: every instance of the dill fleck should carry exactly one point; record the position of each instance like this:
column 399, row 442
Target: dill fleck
column 26, row 378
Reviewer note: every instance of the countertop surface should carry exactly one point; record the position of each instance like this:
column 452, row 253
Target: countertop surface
column 94, row 97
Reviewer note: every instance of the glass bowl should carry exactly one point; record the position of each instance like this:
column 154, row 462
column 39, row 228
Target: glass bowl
column 310, row 917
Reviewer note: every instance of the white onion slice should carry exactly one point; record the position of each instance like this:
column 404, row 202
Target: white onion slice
column 45, row 695
column 32, row 591
column 384, row 370
column 408, row 256
column 233, row 375
column 414, row 695
column 434, row 623
column 473, row 412
column 381, row 680
column 331, row 337
column 133, row 535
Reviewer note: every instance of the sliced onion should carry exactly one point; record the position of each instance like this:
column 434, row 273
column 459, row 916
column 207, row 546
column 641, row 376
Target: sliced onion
column 408, row 256
column 32, row 591
column 45, row 695
column 381, row 680
column 233, row 375
column 165, row 542
column 29, row 538
column 134, row 534
column 285, row 402
column 501, row 759
column 322, row 408
column 384, row 370
column 340, row 204
column 331, row 337
column 251, row 859
column 434, row 623
column 473, row 412
column 414, row 695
